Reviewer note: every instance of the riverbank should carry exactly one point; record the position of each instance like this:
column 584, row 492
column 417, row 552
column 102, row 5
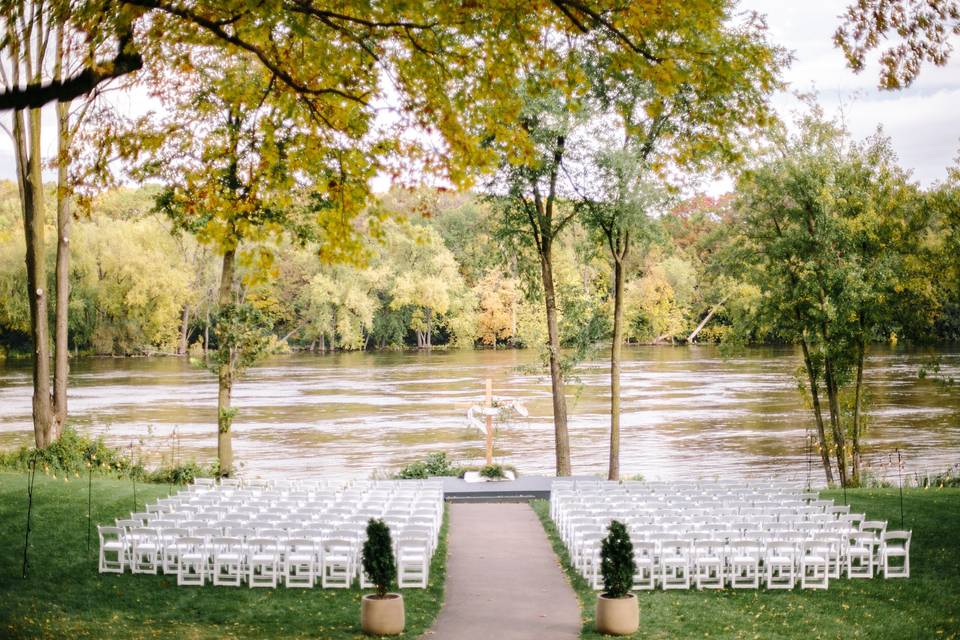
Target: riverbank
column 926, row 605
column 65, row 597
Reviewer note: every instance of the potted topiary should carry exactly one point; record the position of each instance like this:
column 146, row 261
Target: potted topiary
column 381, row 613
column 617, row 610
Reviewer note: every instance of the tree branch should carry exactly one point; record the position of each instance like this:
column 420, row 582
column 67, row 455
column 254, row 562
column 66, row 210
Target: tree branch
column 213, row 27
column 35, row 95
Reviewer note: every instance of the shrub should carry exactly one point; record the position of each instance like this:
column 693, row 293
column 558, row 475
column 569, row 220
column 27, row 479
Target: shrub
column 378, row 562
column 73, row 453
column 616, row 562
column 493, row 471
column 183, row 473
column 435, row 464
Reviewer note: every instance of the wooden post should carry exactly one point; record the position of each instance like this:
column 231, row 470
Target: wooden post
column 488, row 405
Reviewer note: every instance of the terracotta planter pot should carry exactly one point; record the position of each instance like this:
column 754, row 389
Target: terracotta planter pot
column 618, row 616
column 382, row 617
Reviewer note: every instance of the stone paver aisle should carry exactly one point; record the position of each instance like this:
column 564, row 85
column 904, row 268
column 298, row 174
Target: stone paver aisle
column 503, row 580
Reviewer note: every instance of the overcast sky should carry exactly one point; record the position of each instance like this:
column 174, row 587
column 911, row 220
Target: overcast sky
column 922, row 121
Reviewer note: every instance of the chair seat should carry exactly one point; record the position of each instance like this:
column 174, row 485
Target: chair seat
column 228, row 557
column 113, row 546
column 744, row 559
column 810, row 559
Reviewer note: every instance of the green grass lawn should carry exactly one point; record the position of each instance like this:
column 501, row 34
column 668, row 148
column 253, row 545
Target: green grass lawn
column 65, row 597
column 927, row 605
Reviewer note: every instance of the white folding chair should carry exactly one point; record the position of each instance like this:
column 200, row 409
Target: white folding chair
column 708, row 559
column 170, row 551
column 744, row 564
column 644, row 578
column 413, row 562
column 191, row 561
column 814, row 565
column 337, row 563
column 860, row 554
column 675, row 564
column 894, row 545
column 111, row 544
column 780, row 565
column 299, row 563
column 144, row 550
column 263, row 562
column 227, row 555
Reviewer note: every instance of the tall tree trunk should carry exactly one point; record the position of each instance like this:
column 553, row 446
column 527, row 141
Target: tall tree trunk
column 225, row 374
column 561, row 434
column 838, row 439
column 61, row 363
column 206, row 333
column 30, row 182
column 857, row 400
column 817, row 411
column 184, row 330
column 615, row 350
column 428, row 342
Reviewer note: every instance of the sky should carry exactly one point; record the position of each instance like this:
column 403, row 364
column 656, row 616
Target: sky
column 921, row 121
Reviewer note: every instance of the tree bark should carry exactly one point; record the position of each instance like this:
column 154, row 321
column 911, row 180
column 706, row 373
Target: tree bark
column 225, row 374
column 817, row 411
column 428, row 342
column 184, row 330
column 615, row 352
column 556, row 374
column 30, row 182
column 838, row 439
column 61, row 364
column 858, row 398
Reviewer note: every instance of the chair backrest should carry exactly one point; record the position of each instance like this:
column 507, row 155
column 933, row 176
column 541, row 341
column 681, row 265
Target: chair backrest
column 127, row 524
column 334, row 544
column 708, row 547
column 301, row 544
column 675, row 547
column 264, row 545
column 877, row 527
column 208, row 532
column 191, row 543
column 897, row 537
column 108, row 533
column 225, row 544
column 144, row 534
column 781, row 548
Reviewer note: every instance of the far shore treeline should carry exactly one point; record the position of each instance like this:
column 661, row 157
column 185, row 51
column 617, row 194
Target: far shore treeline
column 442, row 275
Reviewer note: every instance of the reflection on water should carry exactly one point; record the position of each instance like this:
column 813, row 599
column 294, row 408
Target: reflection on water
column 687, row 412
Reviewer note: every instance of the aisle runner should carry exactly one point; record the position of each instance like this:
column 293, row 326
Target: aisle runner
column 503, row 580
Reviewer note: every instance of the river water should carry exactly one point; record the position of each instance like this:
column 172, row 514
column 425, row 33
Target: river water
column 688, row 412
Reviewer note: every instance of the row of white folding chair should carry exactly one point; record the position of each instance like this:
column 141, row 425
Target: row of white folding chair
column 680, row 564
column 740, row 563
column 725, row 509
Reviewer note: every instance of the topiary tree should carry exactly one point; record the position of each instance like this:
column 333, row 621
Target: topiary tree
column 616, row 562
column 378, row 562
